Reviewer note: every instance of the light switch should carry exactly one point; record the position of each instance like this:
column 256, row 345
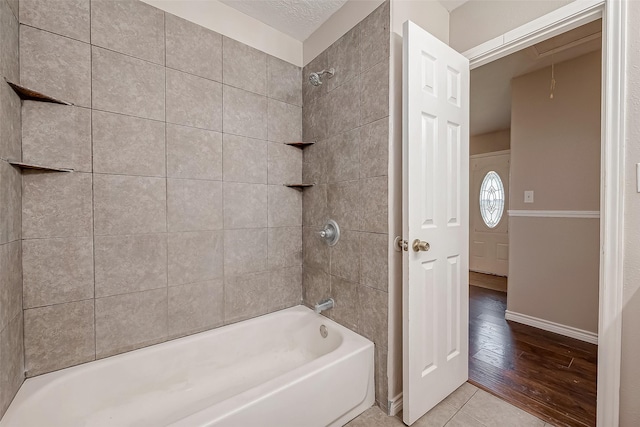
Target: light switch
column 528, row 196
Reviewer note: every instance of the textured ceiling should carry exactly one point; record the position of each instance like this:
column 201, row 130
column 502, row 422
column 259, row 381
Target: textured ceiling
column 490, row 106
column 297, row 18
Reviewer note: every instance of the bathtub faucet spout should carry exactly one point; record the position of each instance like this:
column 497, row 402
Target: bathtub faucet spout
column 323, row 305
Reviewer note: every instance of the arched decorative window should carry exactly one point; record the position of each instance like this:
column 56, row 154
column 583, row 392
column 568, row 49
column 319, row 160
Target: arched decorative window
column 491, row 199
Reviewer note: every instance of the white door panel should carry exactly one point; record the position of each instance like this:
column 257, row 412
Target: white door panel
column 435, row 210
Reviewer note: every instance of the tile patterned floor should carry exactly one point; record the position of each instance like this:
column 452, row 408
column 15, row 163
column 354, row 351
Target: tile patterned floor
column 468, row 406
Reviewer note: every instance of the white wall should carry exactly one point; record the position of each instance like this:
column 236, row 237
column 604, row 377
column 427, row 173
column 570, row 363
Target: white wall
column 227, row 21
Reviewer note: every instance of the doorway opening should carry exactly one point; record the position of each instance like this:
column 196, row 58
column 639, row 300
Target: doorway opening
column 534, row 232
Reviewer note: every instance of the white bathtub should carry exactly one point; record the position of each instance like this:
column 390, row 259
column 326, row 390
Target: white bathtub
column 275, row 370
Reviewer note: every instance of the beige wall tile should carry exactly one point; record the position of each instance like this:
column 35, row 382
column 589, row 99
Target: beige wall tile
column 195, row 257
column 374, row 260
column 345, row 256
column 283, row 81
column 244, row 67
column 128, row 145
column 193, row 101
column 58, row 336
column 245, row 296
column 314, row 162
column 373, row 323
column 10, row 47
column 285, row 287
column 15, row 7
column 245, row 205
column 56, row 205
column 343, row 206
column 245, row 251
column 10, row 125
column 374, row 96
column 314, row 250
column 284, row 164
column 55, row 65
column 56, row 135
column 346, row 297
column 374, row 149
column 130, row 263
column 194, row 205
column 10, row 282
column 285, row 247
column 244, row 113
column 284, row 122
column 315, row 210
column 129, row 204
column 381, row 379
column 56, row 271
column 244, row 159
column 126, row 85
column 344, row 56
column 130, row 321
column 193, row 49
column 69, row 18
column 374, row 205
column 315, row 117
column 342, row 107
column 343, row 157
column 193, row 153
column 285, row 206
column 374, row 37
column 316, row 285
column 130, row 27
column 195, row 308
column 10, row 208
column 12, row 356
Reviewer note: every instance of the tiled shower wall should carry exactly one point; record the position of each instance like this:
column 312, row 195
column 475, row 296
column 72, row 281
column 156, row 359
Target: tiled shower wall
column 348, row 117
column 11, row 342
column 175, row 219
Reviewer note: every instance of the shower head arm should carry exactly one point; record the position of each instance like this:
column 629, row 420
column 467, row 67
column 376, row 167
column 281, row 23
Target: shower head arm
column 330, row 71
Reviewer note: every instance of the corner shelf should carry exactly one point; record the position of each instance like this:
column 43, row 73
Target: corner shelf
column 300, row 144
column 299, row 186
column 32, row 95
column 32, row 166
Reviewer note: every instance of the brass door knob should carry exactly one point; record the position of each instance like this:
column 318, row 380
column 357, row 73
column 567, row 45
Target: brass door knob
column 418, row 245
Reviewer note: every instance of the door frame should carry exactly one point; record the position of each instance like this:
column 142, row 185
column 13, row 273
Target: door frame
column 613, row 134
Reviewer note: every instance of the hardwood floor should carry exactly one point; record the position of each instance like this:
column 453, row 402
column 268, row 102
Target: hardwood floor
column 548, row 375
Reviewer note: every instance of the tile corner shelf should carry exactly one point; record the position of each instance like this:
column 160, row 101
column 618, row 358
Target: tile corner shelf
column 300, row 144
column 299, row 186
column 32, row 95
column 32, row 166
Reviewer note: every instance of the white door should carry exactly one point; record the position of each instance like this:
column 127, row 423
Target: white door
column 489, row 236
column 435, row 211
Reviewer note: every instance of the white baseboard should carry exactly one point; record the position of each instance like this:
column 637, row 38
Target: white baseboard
column 395, row 405
column 567, row 331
